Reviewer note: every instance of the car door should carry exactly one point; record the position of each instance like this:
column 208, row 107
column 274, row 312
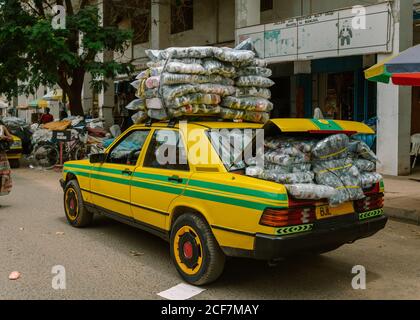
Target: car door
column 110, row 184
column 161, row 178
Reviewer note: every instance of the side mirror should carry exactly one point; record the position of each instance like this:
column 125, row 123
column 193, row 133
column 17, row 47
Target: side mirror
column 97, row 158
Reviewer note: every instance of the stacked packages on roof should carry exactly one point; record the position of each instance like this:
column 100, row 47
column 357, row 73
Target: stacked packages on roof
column 335, row 168
column 203, row 81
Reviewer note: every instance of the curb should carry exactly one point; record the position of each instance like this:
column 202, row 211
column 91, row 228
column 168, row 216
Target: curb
column 411, row 216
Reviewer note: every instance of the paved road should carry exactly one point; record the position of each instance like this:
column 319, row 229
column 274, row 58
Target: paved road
column 99, row 263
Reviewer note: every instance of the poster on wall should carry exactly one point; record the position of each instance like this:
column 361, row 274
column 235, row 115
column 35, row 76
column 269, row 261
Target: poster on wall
column 330, row 34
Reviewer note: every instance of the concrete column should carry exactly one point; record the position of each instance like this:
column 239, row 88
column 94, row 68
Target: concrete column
column 161, row 24
column 87, row 94
column 106, row 97
column 394, row 103
column 248, row 13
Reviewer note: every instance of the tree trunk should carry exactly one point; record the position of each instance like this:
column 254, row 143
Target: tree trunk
column 75, row 100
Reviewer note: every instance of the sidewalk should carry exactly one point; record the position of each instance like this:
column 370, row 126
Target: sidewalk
column 402, row 197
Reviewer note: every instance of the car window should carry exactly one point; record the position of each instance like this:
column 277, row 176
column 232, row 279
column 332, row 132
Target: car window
column 128, row 150
column 166, row 151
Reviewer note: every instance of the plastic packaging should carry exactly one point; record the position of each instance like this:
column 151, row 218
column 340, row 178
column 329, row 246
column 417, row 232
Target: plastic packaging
column 242, row 57
column 196, row 110
column 154, row 103
column 254, row 71
column 288, row 178
column 139, row 117
column 368, row 179
column 362, row 149
column 257, row 117
column 153, row 82
column 184, row 68
column 248, row 103
column 333, row 147
column 310, row 191
column 254, row 81
column 188, row 52
column 254, row 171
column 173, row 79
column 135, row 105
column 365, row 165
column 195, row 98
column 213, row 66
column 253, row 92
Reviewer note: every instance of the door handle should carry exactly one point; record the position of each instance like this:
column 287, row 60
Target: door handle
column 127, row 172
column 176, row 179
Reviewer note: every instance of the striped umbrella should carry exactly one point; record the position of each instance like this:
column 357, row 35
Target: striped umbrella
column 403, row 69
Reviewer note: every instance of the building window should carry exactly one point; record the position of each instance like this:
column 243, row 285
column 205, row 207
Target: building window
column 182, row 16
column 141, row 28
column 266, row 5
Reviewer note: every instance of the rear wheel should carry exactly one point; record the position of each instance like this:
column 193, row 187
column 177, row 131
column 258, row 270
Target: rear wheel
column 195, row 251
column 76, row 213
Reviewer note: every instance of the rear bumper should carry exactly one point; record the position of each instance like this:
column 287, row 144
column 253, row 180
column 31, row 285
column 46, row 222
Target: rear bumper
column 272, row 247
column 14, row 154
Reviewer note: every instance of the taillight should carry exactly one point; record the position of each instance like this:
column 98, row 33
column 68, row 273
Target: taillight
column 374, row 190
column 288, row 217
column 371, row 202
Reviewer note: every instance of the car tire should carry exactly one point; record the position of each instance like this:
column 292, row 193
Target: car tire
column 14, row 164
column 195, row 251
column 76, row 213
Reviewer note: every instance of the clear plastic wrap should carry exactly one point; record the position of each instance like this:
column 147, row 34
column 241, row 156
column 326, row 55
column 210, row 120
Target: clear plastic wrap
column 171, row 92
column 196, row 110
column 154, row 103
column 333, row 147
column 365, row 165
column 160, row 115
column 173, row 79
column 139, row 117
column 195, row 98
column 294, row 168
column 135, row 105
column 286, row 156
column 253, row 92
column 310, row 191
column 254, row 71
column 184, row 68
column 248, row 103
column 362, row 150
column 251, row 116
column 369, row 179
column 287, row 178
column 254, row 81
column 155, row 55
column 188, row 52
column 242, row 57
column 153, row 82
column 254, row 171
column 213, row 66
column 211, row 88
column 341, row 175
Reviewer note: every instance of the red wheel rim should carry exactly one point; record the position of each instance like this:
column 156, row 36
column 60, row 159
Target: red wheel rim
column 188, row 250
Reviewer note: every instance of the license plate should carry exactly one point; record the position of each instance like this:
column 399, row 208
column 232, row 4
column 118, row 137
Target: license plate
column 325, row 212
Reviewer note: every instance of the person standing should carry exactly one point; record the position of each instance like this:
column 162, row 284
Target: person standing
column 5, row 172
column 46, row 117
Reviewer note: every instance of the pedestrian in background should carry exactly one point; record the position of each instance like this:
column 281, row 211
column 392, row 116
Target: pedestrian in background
column 5, row 173
column 46, row 117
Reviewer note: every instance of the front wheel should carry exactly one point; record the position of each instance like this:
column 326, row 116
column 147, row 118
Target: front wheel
column 76, row 213
column 195, row 251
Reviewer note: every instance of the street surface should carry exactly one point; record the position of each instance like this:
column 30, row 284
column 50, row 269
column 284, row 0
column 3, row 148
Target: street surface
column 114, row 261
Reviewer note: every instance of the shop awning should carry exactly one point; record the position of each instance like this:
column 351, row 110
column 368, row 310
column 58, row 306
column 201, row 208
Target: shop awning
column 403, row 69
column 54, row 95
column 39, row 103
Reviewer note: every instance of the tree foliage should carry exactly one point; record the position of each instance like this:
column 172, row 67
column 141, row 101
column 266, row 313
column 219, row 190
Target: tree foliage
column 33, row 53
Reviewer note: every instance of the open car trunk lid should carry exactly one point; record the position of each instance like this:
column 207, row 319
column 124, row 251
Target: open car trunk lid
column 318, row 126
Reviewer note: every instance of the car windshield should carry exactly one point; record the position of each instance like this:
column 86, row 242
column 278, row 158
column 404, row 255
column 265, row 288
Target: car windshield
column 231, row 146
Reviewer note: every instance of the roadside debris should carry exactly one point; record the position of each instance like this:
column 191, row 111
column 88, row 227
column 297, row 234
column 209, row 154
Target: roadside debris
column 15, row 275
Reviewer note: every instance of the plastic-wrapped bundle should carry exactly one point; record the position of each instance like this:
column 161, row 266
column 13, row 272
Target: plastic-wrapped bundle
column 248, row 103
column 364, row 165
column 251, row 116
column 219, row 89
column 155, row 55
column 149, row 93
column 160, row 115
column 213, row 66
column 184, row 68
column 341, row 175
column 151, row 72
column 285, row 159
column 154, row 103
column 188, row 52
column 153, row 82
column 41, row 135
column 304, row 145
column 310, row 191
column 288, row 178
column 194, row 98
column 135, row 105
column 136, row 84
column 240, row 57
column 139, row 117
column 294, row 168
column 368, row 179
column 254, row 171
column 254, row 81
column 172, row 79
column 254, row 71
column 171, row 92
column 362, row 149
column 197, row 110
column 262, row 63
column 333, row 147
column 253, row 92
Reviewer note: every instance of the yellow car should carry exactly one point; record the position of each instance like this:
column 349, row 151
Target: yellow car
column 204, row 205
column 15, row 153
